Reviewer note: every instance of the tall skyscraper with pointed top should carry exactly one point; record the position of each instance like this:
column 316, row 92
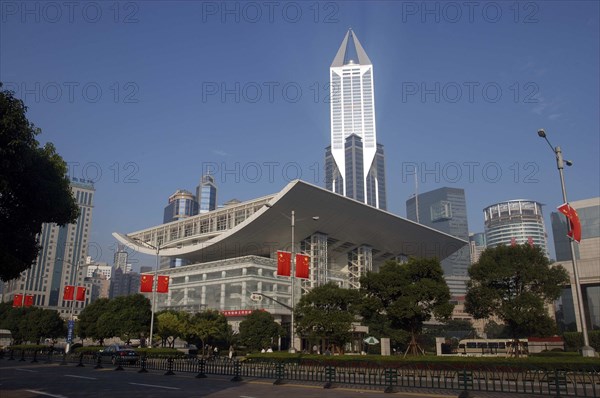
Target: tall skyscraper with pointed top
column 354, row 162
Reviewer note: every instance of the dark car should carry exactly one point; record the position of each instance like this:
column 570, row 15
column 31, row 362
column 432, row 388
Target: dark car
column 120, row 354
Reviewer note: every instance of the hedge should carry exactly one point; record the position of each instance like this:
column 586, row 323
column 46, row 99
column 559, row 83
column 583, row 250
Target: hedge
column 574, row 340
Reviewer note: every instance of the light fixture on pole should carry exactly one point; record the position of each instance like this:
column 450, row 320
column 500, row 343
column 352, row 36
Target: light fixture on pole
column 586, row 350
column 154, row 281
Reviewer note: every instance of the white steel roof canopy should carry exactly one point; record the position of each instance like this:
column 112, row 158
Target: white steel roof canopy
column 266, row 229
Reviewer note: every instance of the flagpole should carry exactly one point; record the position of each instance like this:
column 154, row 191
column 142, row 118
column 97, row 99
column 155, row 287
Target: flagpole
column 586, row 350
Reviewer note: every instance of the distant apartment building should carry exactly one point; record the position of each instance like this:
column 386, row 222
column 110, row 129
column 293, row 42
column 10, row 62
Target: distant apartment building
column 476, row 245
column 63, row 252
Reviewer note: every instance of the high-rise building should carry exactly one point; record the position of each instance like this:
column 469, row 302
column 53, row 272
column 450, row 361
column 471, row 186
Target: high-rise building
column 515, row 222
column 588, row 264
column 182, row 204
column 445, row 210
column 476, row 245
column 121, row 257
column 206, row 194
column 63, row 250
column 354, row 162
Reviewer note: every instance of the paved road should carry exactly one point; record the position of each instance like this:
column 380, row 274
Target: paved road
column 26, row 380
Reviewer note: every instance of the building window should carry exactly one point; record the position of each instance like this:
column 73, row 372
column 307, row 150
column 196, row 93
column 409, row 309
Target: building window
column 441, row 211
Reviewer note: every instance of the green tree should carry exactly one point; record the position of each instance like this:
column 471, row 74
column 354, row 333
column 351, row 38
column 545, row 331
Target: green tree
column 34, row 188
column 404, row 296
column 15, row 320
column 515, row 283
column 170, row 325
column 208, row 327
column 32, row 324
column 326, row 313
column 132, row 315
column 44, row 323
column 259, row 329
column 88, row 325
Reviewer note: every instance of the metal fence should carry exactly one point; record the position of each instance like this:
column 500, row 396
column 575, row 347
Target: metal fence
column 361, row 374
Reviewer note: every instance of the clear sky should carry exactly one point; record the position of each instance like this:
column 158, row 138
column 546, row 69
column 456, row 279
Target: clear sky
column 142, row 96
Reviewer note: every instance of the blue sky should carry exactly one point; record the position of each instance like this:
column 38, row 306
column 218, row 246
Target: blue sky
column 142, row 96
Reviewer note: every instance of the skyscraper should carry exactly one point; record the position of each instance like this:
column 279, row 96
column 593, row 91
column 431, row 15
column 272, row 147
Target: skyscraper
column 182, row 204
column 354, row 162
column 63, row 250
column 515, row 222
column 445, row 209
column 477, row 245
column 206, row 194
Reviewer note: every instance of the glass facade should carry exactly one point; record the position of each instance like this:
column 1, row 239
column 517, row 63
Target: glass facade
column 445, row 209
column 206, row 193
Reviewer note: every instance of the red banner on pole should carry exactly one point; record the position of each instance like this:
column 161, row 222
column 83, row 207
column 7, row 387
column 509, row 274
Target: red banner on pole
column 68, row 292
column 80, row 293
column 146, row 283
column 29, row 300
column 18, row 300
column 284, row 263
column 162, row 284
column 575, row 225
column 302, row 266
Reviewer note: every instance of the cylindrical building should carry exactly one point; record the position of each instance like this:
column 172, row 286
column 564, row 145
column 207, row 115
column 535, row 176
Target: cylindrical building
column 515, row 222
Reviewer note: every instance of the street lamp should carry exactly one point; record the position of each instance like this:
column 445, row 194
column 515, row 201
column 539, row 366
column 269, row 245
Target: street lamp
column 586, row 350
column 292, row 276
column 71, row 323
column 157, row 248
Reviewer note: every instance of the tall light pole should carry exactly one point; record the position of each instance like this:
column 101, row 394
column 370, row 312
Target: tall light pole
column 71, row 323
column 292, row 276
column 154, row 281
column 586, row 350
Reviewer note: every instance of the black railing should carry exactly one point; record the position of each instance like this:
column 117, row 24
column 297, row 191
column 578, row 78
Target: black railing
column 504, row 379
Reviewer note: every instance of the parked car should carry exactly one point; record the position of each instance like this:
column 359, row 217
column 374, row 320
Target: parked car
column 120, row 353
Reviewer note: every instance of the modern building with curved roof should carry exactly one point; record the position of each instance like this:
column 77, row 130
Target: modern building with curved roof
column 232, row 250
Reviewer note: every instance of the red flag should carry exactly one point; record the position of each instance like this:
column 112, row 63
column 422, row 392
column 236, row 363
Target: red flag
column 68, row 292
column 28, row 300
column 302, row 266
column 146, row 283
column 513, row 242
column 530, row 241
column 80, row 293
column 575, row 226
column 18, row 300
column 162, row 284
column 284, row 263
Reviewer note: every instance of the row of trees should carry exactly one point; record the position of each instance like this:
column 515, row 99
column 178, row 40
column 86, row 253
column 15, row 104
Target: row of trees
column 31, row 323
column 513, row 283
